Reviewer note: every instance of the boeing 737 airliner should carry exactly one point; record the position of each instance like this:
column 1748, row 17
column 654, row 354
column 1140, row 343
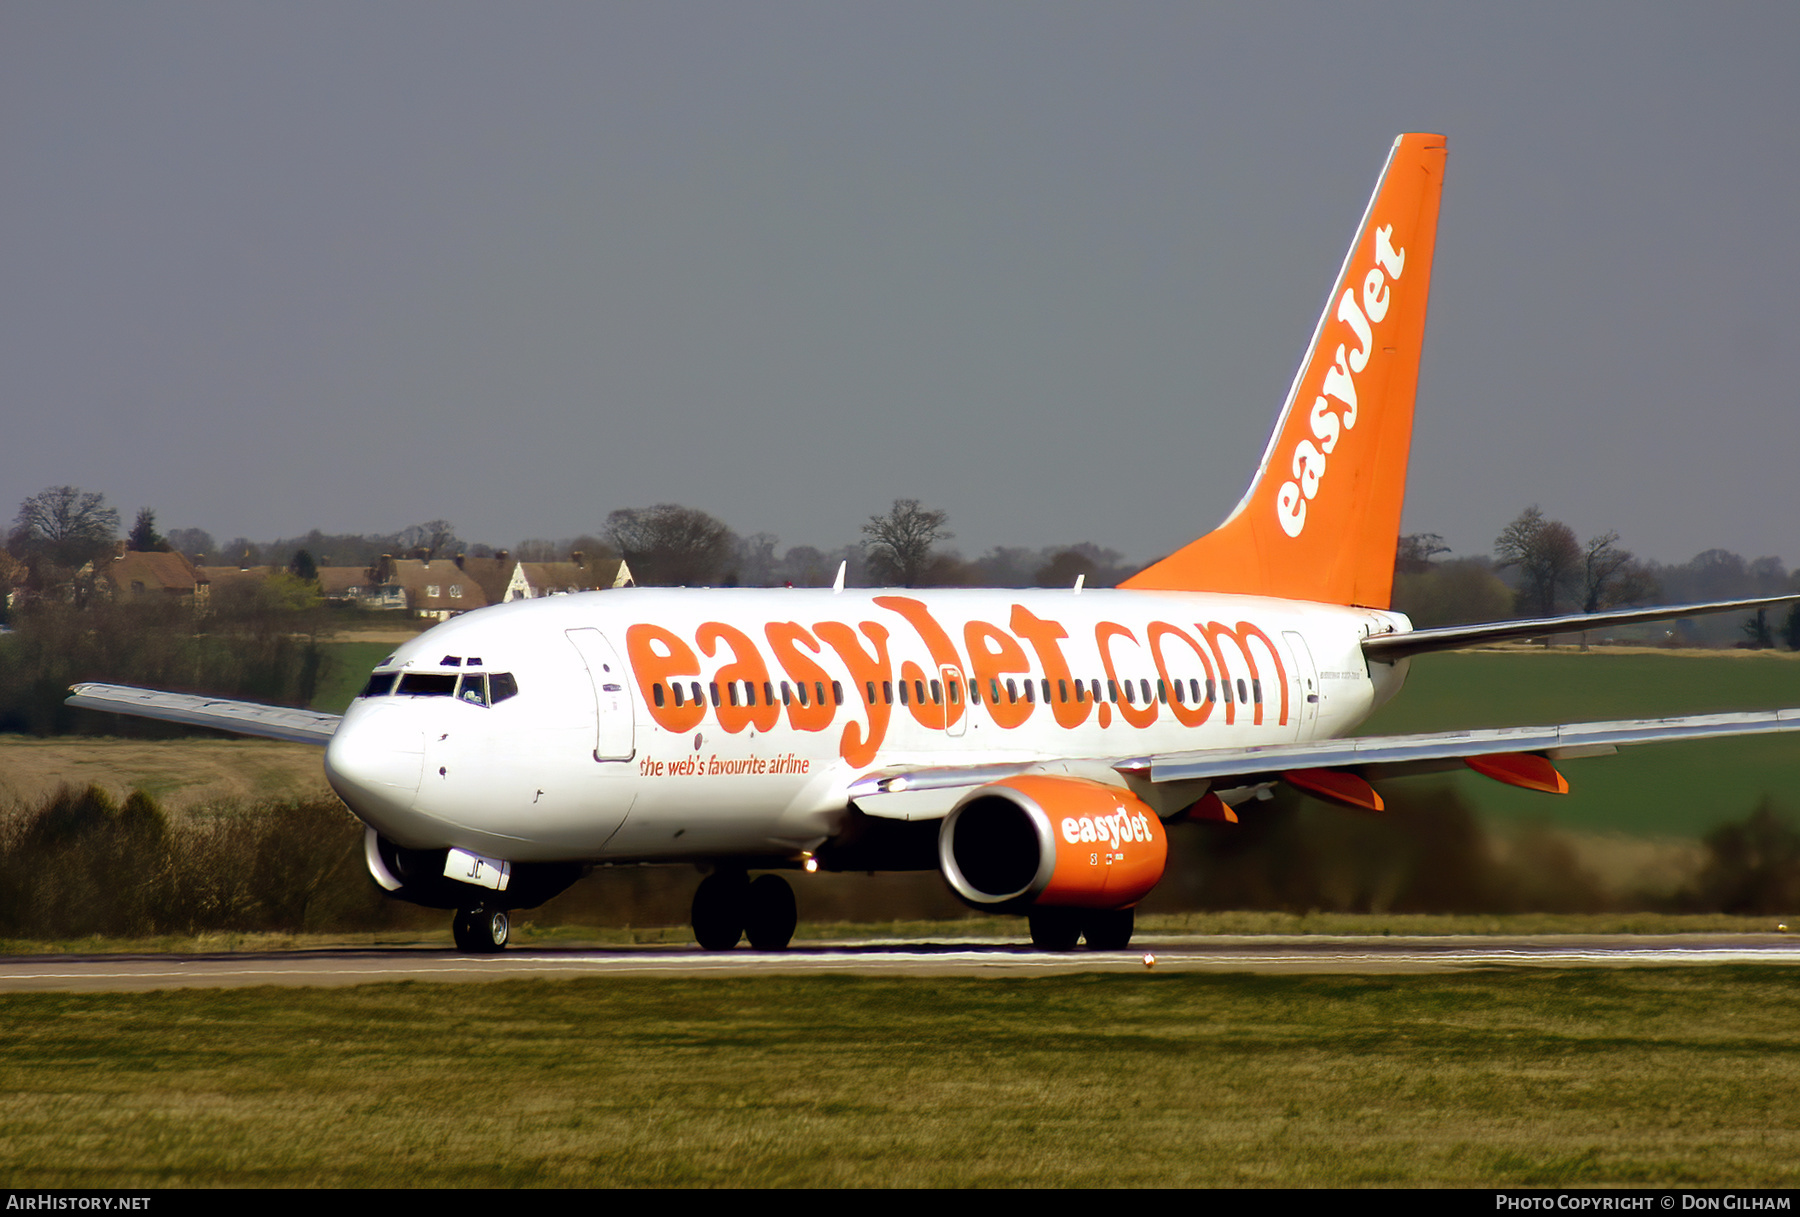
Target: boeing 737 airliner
column 1033, row 746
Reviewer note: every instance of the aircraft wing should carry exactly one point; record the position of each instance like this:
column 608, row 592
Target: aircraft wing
column 1386, row 648
column 241, row 717
column 1394, row 755
column 1503, row 753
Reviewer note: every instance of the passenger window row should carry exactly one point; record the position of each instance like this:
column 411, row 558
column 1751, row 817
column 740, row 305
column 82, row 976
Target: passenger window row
column 491, row 688
column 744, row 693
column 918, row 691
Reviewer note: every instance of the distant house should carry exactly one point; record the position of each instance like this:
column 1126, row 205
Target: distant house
column 492, row 575
column 150, row 575
column 504, row 579
column 533, row 580
column 222, row 577
column 436, row 589
column 360, row 586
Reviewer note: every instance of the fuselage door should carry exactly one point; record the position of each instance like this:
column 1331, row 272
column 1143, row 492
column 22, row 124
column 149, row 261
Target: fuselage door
column 615, row 732
column 1306, row 685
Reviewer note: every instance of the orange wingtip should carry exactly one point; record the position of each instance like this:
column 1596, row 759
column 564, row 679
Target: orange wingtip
column 1526, row 770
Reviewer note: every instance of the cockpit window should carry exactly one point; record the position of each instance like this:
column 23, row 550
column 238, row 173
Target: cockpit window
column 501, row 686
column 380, row 685
column 472, row 689
column 427, row 684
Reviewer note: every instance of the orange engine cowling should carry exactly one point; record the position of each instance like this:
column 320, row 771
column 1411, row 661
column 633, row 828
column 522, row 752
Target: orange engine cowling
column 1042, row 840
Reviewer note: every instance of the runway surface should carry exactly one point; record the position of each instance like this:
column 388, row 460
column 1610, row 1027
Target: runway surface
column 963, row 957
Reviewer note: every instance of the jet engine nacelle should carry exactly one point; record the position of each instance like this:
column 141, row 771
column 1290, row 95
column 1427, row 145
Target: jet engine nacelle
column 1052, row 841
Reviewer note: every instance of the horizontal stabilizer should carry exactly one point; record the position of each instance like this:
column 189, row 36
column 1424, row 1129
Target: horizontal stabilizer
column 241, row 717
column 1386, row 648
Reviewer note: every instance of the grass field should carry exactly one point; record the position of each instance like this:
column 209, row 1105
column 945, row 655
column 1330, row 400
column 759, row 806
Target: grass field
column 1678, row 790
column 1658, row 1077
column 346, row 671
column 182, row 774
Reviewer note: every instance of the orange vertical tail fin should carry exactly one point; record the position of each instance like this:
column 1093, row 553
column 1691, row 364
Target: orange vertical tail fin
column 1321, row 518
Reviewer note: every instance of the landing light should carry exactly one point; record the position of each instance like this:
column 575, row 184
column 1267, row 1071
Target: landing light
column 811, row 865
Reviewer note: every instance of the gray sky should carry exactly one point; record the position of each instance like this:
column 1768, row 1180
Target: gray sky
column 269, row 268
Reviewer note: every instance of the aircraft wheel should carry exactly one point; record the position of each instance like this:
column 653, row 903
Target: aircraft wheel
column 718, row 912
column 1055, row 929
column 481, row 931
column 1110, row 929
column 769, row 913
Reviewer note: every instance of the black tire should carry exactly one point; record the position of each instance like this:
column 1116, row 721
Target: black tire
column 481, row 931
column 769, row 913
column 495, row 930
column 1110, row 929
column 1055, row 929
column 718, row 912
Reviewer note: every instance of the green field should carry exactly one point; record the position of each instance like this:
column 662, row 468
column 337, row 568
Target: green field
column 1658, row 1077
column 1656, row 789
column 346, row 671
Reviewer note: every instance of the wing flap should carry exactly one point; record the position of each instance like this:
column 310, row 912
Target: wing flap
column 241, row 717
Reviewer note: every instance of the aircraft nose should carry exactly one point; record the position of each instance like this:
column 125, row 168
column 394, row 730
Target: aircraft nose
column 373, row 762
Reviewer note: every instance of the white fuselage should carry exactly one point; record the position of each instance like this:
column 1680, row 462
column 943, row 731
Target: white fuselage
column 603, row 752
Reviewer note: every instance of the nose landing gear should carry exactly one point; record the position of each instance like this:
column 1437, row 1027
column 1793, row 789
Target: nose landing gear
column 480, row 931
column 729, row 906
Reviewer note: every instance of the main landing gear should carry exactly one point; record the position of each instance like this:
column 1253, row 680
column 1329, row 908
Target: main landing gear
column 728, row 905
column 480, row 931
column 1058, row 929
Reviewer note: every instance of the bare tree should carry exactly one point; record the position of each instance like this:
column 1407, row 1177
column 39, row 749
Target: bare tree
column 196, row 543
column 1612, row 576
column 1100, row 567
column 242, row 550
column 1414, row 554
column 669, row 545
column 591, row 548
column 1453, row 592
column 899, row 543
column 63, row 526
column 432, row 539
column 1548, row 556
